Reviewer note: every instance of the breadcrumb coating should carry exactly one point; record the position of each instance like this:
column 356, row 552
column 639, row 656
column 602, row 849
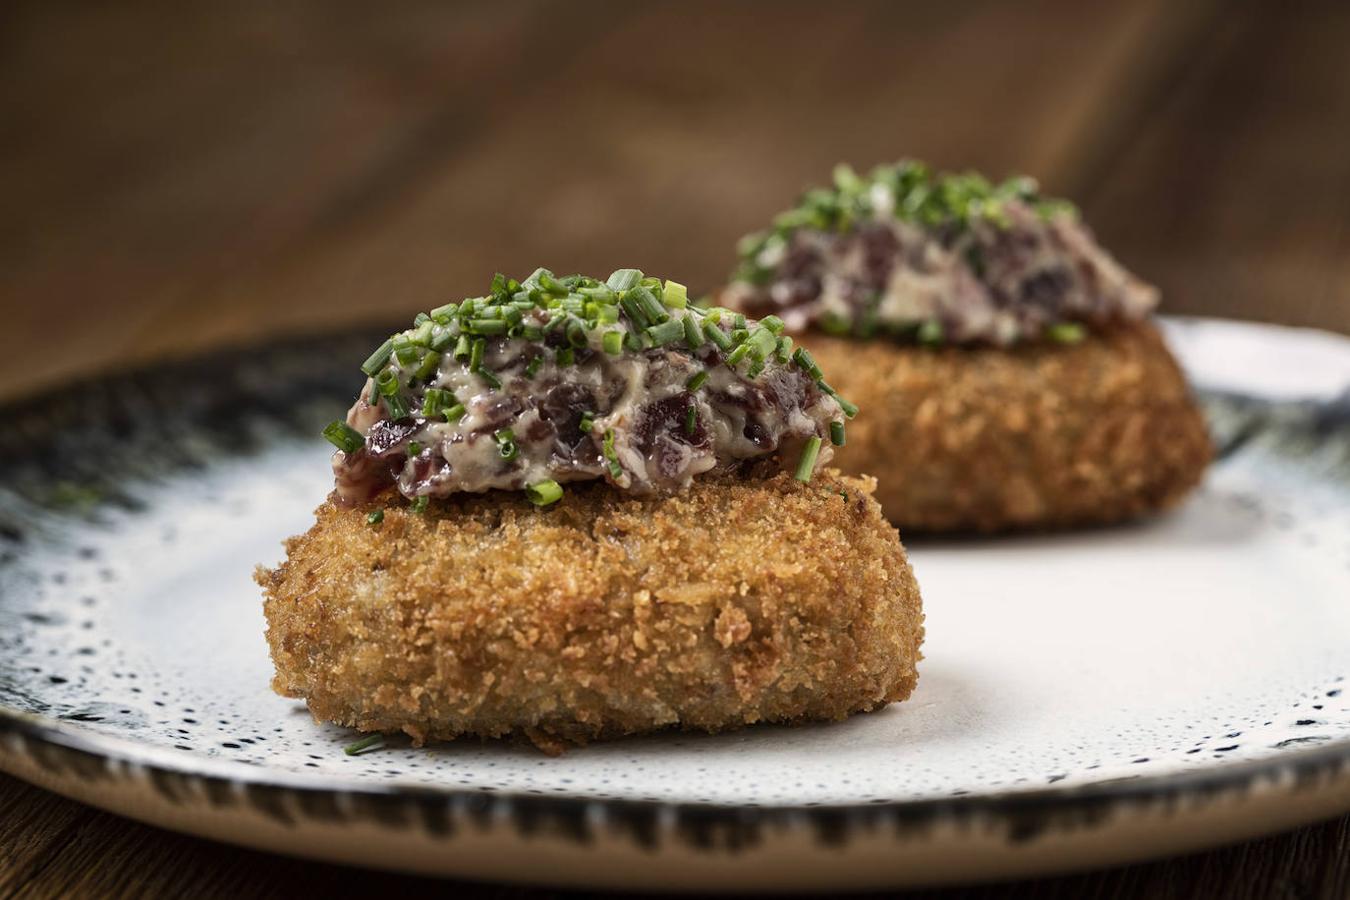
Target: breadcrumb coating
column 734, row 602
column 1036, row 436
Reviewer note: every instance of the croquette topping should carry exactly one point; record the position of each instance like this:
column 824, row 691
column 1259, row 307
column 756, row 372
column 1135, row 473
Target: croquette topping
column 551, row 380
column 935, row 258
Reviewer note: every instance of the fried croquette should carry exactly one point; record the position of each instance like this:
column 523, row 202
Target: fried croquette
column 733, row 602
column 1038, row 435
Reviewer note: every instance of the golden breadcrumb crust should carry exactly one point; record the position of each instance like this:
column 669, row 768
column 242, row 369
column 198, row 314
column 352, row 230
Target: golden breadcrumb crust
column 731, row 603
column 1040, row 436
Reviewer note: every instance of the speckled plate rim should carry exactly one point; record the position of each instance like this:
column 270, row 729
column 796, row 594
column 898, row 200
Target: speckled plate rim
column 671, row 845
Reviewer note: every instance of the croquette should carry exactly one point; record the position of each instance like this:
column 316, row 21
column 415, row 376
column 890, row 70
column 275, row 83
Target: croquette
column 1034, row 436
column 1007, row 366
column 733, row 602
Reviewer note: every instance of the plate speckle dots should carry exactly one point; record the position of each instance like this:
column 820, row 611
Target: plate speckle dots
column 1085, row 698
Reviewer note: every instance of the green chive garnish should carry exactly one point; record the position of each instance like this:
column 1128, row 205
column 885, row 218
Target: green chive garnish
column 806, row 466
column 379, row 359
column 802, row 357
column 455, row 413
column 343, row 436
column 544, row 493
column 849, row 409
column 611, row 455
column 476, row 354
column 419, row 505
column 623, row 279
column 375, row 517
column 693, row 335
column 613, row 342
column 837, row 433
column 675, row 295
column 587, row 422
column 1066, row 332
column 930, row 332
column 697, row 380
column 506, row 444
column 666, row 333
column 490, row 379
column 691, row 420
column 716, row 334
column 532, row 369
column 366, row 743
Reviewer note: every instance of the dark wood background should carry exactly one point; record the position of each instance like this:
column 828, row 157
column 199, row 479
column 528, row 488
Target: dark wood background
column 176, row 176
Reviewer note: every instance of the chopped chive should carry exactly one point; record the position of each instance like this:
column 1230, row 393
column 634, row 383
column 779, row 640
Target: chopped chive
column 576, row 334
column 447, row 311
column 419, row 505
column 486, row 326
column 552, row 285
column 693, row 335
column 379, row 359
column 398, row 407
column 806, row 466
column 756, row 367
column 691, row 420
column 387, row 382
column 667, row 332
column 462, row 350
column 635, row 311
column 784, row 351
column 849, row 409
column 587, row 423
column 375, row 517
column 623, row 279
column 773, row 323
column 716, row 334
column 343, row 436
column 837, row 433
column 740, row 353
column 565, row 356
column 532, row 369
column 455, row 413
column 366, row 743
column 544, row 493
column 930, row 332
column 611, row 455
column 1066, row 332
column 762, row 342
column 613, row 342
column 476, row 354
column 656, row 313
column 802, row 357
column 441, row 342
column 739, row 321
column 675, row 295
column 506, row 444
column 422, row 336
column 696, row 380
column 490, row 379
column 430, row 364
column 414, row 448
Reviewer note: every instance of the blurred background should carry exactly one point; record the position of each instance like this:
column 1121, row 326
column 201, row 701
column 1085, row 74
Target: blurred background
column 177, row 176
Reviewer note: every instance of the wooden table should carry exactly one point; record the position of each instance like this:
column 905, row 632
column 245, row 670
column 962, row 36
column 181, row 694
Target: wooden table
column 177, row 176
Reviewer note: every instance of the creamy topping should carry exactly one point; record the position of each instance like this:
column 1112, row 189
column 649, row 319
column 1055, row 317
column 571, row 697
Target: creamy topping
column 935, row 258
column 556, row 380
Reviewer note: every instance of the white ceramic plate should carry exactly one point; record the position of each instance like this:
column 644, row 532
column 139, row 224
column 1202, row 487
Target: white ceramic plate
column 1086, row 698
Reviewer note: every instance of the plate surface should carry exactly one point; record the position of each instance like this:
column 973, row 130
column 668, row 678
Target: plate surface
column 1086, row 698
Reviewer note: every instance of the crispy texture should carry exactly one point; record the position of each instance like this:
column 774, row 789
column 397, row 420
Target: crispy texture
column 731, row 603
column 1033, row 437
